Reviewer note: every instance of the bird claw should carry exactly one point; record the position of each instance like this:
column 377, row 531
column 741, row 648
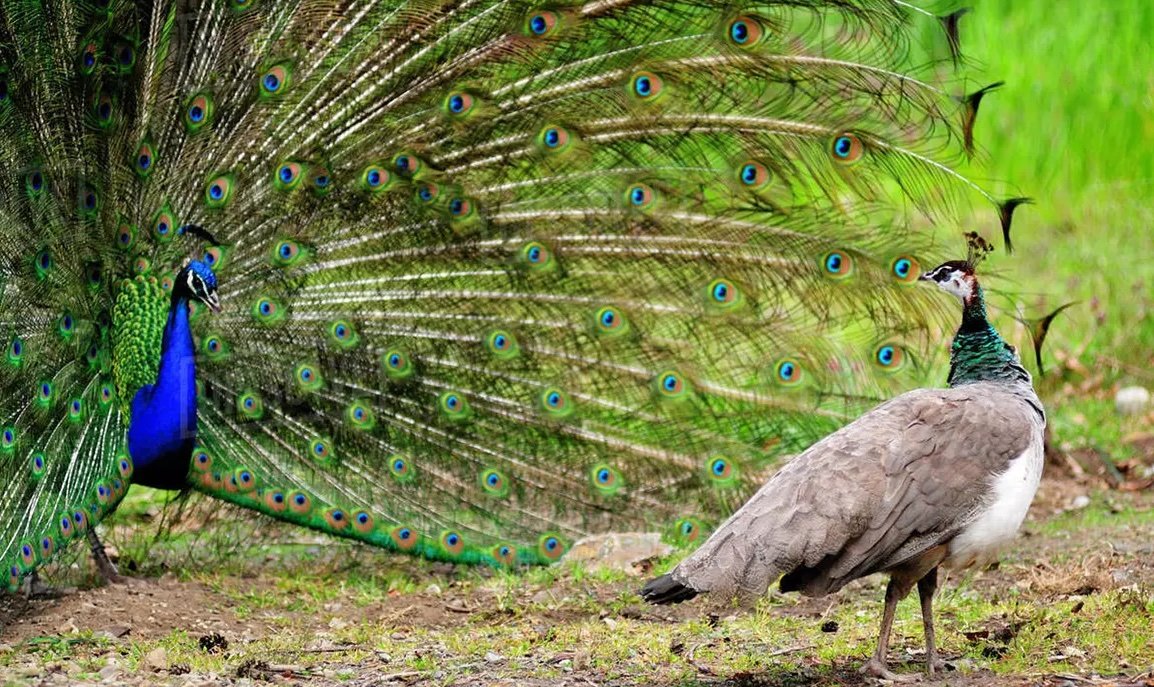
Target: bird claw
column 878, row 669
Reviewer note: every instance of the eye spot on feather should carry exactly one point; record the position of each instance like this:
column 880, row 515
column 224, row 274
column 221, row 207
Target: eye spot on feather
column 245, row 479
column 37, row 463
column 837, row 265
column 721, row 470
column 504, row 554
column 687, row 530
column 400, row 468
column 287, row 253
column 374, row 178
column 787, row 372
column 321, row 451
column 905, row 269
column 34, row 182
column 889, row 357
column 553, row 139
column 753, row 175
column 606, row 479
column 307, row 377
column 847, row 149
column 452, row 543
column 493, row 482
column 671, row 385
column 299, row 502
column 336, row 519
column 198, row 112
column 362, row 522
column 275, row 80
column 542, row 24
column 502, row 344
column 550, row 546
column 288, row 176
column 343, row 335
column 646, row 86
column 640, row 196
column 745, row 32
column 397, row 364
column 427, row 192
column 404, row 537
column 536, row 257
column 219, row 191
column 459, row 104
column 276, row 501
column 453, row 405
column 16, row 351
column 555, row 403
column 88, row 59
column 145, row 156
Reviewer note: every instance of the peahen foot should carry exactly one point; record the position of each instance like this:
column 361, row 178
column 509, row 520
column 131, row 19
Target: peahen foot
column 105, row 565
column 877, row 668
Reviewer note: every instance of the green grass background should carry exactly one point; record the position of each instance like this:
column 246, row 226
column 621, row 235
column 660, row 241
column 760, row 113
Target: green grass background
column 1074, row 128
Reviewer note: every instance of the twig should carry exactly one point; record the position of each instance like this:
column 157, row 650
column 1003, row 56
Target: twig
column 790, row 650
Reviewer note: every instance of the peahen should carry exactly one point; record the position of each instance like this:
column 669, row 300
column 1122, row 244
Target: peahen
column 934, row 477
column 461, row 279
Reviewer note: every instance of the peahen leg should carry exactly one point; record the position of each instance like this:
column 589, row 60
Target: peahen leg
column 100, row 557
column 926, row 588
column 896, row 590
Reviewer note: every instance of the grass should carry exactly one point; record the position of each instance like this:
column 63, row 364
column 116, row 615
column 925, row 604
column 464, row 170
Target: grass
column 370, row 619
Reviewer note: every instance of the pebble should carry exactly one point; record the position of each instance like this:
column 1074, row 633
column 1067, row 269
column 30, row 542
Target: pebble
column 1131, row 400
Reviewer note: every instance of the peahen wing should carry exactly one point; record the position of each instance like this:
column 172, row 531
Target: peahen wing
column 497, row 274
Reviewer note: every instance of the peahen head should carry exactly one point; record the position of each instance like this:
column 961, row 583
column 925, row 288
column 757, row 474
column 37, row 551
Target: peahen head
column 197, row 280
column 955, row 277
column 958, row 277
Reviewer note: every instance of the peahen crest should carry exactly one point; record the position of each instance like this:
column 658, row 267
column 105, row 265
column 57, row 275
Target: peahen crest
column 492, row 274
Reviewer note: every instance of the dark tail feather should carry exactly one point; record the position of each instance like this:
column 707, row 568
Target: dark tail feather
column 666, row 590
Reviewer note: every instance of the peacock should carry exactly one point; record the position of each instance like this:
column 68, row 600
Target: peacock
column 934, row 477
column 464, row 279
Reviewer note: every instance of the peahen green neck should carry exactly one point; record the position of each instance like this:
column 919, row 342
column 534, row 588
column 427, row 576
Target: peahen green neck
column 979, row 354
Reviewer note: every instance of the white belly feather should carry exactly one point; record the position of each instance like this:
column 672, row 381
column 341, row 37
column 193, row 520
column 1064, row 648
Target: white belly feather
column 1012, row 492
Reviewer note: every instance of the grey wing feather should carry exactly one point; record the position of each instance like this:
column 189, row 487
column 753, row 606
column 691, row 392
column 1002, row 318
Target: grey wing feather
column 901, row 479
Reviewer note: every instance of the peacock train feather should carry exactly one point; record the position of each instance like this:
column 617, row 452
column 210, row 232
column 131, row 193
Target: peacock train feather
column 491, row 274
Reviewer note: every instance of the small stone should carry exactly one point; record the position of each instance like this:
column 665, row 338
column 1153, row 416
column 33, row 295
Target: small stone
column 1131, row 400
column 109, row 671
column 1080, row 501
column 493, row 657
column 622, row 551
column 156, row 660
column 338, row 624
column 434, row 589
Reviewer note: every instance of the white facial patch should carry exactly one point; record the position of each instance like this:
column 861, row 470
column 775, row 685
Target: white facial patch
column 958, row 284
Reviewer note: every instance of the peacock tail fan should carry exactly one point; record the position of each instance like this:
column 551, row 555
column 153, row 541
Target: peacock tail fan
column 493, row 274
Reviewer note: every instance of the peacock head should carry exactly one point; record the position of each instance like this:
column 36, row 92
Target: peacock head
column 197, row 280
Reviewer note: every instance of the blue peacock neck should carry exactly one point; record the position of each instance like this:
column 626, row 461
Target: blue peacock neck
column 163, row 430
column 979, row 354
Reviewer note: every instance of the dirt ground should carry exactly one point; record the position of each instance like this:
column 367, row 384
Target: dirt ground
column 132, row 633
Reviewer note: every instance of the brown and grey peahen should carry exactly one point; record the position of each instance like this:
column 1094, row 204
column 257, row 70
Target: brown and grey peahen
column 934, row 477
column 462, row 279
